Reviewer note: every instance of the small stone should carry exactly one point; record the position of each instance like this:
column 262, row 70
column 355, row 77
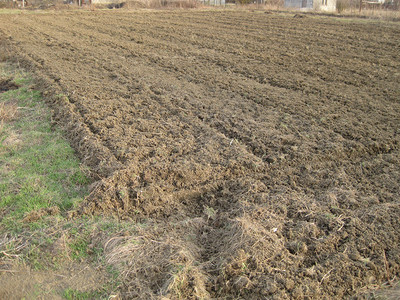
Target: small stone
column 271, row 159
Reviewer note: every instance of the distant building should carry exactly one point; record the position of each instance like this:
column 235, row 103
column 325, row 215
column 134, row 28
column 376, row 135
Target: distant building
column 321, row 5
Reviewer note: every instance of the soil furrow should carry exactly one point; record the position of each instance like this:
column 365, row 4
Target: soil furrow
column 265, row 148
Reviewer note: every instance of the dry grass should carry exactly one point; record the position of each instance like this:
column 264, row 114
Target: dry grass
column 155, row 263
column 186, row 259
column 8, row 111
column 351, row 8
column 156, row 4
column 381, row 14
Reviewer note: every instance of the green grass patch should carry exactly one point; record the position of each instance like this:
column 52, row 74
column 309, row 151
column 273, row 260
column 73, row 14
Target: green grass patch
column 71, row 294
column 38, row 168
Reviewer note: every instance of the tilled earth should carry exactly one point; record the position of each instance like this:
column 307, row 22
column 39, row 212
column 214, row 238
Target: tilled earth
column 261, row 149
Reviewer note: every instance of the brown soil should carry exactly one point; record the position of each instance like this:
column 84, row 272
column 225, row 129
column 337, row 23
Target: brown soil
column 6, row 85
column 261, row 150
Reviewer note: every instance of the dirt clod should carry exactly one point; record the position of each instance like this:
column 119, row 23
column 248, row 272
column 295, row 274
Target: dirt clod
column 40, row 213
column 7, row 85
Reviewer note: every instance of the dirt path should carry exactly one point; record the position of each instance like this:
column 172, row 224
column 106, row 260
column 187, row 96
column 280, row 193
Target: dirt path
column 272, row 141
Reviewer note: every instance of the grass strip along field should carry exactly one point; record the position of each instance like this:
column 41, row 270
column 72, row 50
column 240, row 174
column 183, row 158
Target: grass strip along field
column 42, row 253
column 256, row 154
column 38, row 165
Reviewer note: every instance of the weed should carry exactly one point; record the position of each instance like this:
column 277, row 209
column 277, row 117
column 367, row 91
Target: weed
column 79, row 249
column 210, row 212
column 71, row 294
column 244, row 267
column 329, row 216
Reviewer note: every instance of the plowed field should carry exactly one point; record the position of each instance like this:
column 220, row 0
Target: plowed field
column 261, row 150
